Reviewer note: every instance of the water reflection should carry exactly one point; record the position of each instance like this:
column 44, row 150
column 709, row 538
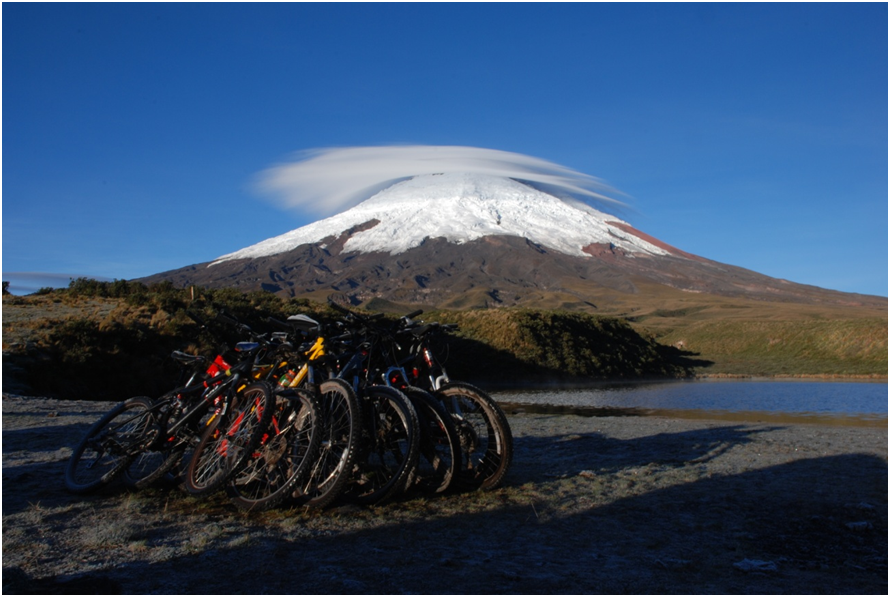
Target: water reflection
column 836, row 403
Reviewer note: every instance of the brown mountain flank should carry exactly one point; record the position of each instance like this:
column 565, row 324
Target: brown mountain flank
column 499, row 271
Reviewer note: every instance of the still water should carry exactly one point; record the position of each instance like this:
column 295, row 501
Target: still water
column 847, row 403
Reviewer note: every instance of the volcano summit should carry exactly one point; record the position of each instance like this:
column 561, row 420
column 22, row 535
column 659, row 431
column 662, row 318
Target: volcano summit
column 460, row 208
column 459, row 240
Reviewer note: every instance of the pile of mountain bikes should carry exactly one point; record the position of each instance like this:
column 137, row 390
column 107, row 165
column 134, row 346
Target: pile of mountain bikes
column 358, row 409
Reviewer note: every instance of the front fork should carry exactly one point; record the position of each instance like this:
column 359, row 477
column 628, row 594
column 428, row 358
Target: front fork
column 436, row 381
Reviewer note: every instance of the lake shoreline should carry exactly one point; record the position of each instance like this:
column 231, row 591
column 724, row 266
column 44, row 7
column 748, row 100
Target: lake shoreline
column 781, row 401
column 739, row 416
column 533, row 384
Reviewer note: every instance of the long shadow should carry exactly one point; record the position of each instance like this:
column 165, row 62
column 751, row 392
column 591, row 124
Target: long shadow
column 682, row 358
column 563, row 455
column 816, row 525
column 34, row 461
column 536, row 459
column 809, row 526
column 32, row 483
column 15, row 440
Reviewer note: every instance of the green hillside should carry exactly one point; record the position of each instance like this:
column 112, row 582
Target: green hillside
column 856, row 347
column 109, row 340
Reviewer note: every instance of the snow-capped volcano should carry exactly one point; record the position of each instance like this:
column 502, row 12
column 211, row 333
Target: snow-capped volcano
column 461, row 208
column 459, row 240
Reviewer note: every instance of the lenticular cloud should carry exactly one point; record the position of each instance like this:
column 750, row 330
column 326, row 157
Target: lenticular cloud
column 328, row 181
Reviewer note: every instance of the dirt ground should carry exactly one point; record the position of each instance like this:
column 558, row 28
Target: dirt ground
column 590, row 505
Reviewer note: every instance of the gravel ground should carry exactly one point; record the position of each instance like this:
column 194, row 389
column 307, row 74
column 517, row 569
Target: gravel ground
column 591, row 505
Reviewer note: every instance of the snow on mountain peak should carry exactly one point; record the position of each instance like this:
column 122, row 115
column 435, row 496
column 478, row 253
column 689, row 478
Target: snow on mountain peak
column 461, row 208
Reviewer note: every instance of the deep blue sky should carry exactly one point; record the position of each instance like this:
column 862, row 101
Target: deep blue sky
column 752, row 134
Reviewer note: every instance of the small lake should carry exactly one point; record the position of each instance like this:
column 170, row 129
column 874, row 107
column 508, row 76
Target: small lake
column 834, row 402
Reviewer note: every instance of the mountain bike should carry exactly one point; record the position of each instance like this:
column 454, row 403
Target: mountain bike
column 486, row 441
column 286, row 454
column 339, row 414
column 439, row 457
column 390, row 440
column 143, row 439
column 485, row 438
column 177, row 419
column 107, row 447
column 232, row 433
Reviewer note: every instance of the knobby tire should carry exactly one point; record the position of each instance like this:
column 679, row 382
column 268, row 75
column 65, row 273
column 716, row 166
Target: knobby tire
column 439, row 456
column 285, row 455
column 340, row 434
column 229, row 439
column 390, row 445
column 109, row 445
column 486, row 439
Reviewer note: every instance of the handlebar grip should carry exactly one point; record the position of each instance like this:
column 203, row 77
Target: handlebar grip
column 413, row 314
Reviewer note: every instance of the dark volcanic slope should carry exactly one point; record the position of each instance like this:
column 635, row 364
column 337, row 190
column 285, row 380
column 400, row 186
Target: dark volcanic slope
column 493, row 270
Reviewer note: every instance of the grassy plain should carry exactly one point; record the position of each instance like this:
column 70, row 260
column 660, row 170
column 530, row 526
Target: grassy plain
column 757, row 338
column 727, row 336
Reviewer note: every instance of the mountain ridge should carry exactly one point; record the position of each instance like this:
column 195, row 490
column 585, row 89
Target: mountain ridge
column 462, row 241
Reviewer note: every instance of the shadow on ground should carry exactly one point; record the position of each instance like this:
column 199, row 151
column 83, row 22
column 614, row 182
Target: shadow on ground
column 576, row 517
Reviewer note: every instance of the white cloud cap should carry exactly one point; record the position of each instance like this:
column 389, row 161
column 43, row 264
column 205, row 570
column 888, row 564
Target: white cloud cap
column 328, row 181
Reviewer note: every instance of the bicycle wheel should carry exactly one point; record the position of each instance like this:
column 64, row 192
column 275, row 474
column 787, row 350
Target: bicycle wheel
column 229, row 439
column 284, row 456
column 151, row 466
column 486, row 441
column 109, row 445
column 390, row 445
column 160, row 455
column 340, row 431
column 438, row 459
